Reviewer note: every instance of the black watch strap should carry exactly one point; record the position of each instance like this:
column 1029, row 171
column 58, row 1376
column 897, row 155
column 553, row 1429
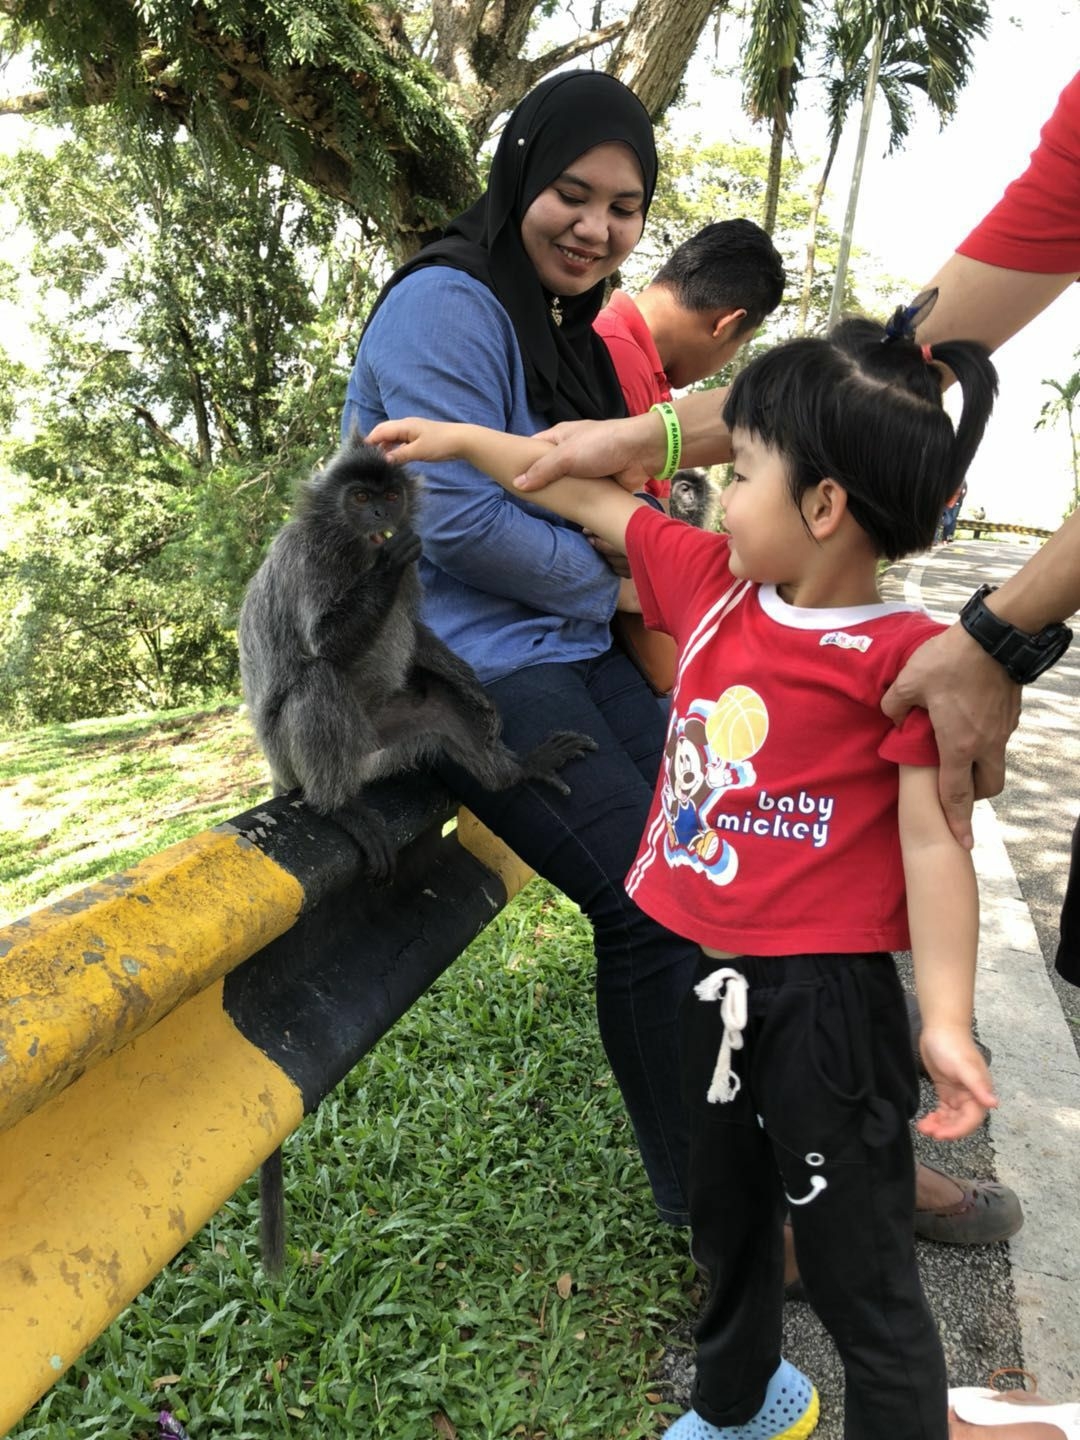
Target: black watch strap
column 1023, row 656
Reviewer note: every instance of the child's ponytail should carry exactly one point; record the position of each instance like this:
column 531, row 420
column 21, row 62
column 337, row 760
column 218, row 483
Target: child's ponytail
column 969, row 360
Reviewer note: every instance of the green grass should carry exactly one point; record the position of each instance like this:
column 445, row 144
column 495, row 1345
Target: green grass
column 473, row 1250
column 83, row 800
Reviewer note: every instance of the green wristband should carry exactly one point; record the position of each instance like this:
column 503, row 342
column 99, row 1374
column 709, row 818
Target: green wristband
column 673, row 435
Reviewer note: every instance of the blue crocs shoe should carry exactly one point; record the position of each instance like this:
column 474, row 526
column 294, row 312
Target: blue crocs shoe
column 790, row 1412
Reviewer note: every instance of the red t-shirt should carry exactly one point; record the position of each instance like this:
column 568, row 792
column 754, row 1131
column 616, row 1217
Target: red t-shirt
column 1035, row 226
column 622, row 328
column 773, row 829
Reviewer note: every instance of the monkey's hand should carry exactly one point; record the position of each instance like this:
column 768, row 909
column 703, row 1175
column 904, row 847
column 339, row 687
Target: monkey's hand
column 542, row 762
column 401, row 549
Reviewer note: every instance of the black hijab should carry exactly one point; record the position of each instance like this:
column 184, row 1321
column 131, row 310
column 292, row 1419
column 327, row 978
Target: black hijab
column 568, row 372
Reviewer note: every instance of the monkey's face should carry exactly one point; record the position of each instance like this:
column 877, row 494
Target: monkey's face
column 691, row 496
column 374, row 507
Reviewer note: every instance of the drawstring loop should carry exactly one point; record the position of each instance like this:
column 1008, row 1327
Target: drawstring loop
column 729, row 987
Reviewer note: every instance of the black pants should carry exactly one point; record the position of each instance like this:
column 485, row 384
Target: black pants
column 1068, row 955
column 818, row 1129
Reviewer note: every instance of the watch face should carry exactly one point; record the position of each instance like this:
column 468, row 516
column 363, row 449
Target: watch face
column 1047, row 648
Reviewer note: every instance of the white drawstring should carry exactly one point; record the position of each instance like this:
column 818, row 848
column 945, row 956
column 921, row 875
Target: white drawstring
column 729, row 987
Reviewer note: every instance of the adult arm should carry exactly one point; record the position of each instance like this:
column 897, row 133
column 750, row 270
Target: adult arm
column 984, row 302
column 1019, row 258
column 943, row 916
column 973, row 705
column 443, row 347
column 632, row 450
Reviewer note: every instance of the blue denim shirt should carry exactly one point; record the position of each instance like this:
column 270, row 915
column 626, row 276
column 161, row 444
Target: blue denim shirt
column 506, row 584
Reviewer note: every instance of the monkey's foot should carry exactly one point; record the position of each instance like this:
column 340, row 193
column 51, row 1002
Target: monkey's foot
column 368, row 830
column 552, row 754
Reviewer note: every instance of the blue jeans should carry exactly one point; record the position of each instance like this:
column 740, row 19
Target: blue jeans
column 584, row 844
column 949, row 516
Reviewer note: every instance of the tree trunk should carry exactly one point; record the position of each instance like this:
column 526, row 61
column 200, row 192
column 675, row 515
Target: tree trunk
column 836, row 304
column 776, row 148
column 811, row 244
column 657, row 45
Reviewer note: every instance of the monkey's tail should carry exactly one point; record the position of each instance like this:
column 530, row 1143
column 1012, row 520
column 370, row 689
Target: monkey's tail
column 272, row 1214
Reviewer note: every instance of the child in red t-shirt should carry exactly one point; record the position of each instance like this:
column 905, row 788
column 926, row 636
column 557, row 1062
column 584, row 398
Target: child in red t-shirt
column 797, row 836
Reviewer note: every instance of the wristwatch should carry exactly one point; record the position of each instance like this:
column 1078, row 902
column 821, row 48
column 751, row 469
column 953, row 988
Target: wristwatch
column 1024, row 656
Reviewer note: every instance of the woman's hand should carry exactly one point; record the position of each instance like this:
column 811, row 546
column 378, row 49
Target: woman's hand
column 974, row 708
column 629, row 450
column 413, row 439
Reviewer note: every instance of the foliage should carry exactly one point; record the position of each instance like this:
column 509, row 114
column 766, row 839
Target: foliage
column 380, row 107
column 196, row 329
column 330, row 91
column 199, row 310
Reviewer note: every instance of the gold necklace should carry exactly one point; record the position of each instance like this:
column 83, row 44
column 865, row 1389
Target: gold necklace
column 556, row 309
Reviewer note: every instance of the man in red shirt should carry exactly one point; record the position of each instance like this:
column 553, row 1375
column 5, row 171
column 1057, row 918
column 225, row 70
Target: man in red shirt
column 701, row 306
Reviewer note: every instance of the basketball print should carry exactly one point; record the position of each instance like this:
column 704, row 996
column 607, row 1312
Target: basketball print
column 737, row 725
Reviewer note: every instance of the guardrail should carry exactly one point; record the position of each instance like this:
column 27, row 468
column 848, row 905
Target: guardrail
column 163, row 1031
column 997, row 527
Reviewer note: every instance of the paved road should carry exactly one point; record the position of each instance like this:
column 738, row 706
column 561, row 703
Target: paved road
column 1015, row 1303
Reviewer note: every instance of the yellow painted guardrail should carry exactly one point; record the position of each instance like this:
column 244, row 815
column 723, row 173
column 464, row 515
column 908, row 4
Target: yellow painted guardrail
column 144, row 1069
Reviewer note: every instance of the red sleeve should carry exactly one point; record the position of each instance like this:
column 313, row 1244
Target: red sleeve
column 669, row 561
column 1035, row 226
column 911, row 742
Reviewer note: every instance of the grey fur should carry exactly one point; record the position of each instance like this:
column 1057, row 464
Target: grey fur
column 694, row 498
column 343, row 681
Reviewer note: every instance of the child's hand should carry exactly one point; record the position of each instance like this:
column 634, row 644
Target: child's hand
column 413, row 439
column 964, row 1088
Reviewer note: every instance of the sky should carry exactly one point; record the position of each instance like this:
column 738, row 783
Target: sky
column 917, row 206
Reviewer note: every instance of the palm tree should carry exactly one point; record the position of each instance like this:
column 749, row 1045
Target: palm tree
column 1065, row 405
column 772, row 69
column 918, row 44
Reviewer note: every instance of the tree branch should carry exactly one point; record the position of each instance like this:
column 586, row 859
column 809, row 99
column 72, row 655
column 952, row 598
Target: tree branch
column 158, row 431
column 585, row 43
column 32, row 103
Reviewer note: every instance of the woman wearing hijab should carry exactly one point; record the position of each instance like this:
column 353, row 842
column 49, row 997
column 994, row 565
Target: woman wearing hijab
column 493, row 325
